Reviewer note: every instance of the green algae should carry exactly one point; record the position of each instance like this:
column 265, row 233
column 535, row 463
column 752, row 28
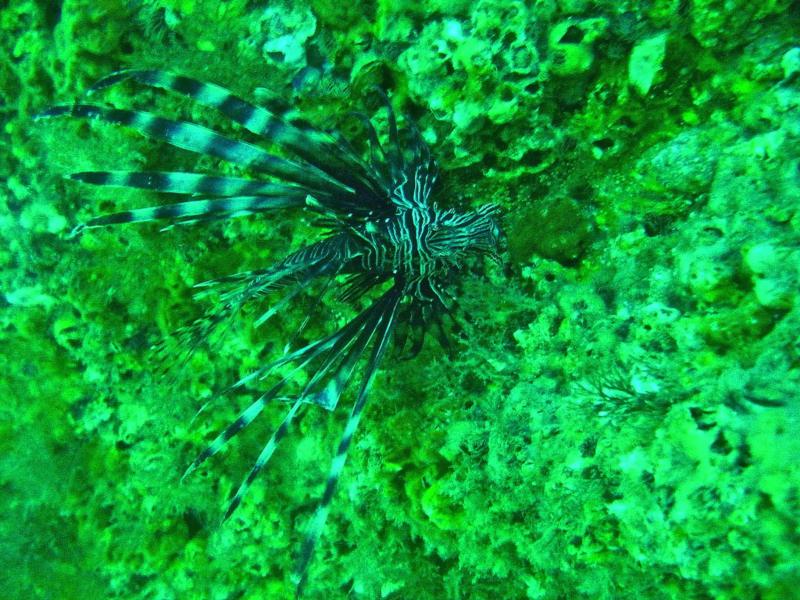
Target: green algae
column 620, row 417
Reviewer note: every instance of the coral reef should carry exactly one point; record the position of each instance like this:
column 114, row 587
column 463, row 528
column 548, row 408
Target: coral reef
column 620, row 417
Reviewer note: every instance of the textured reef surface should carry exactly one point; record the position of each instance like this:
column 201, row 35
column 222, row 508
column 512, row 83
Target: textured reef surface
column 621, row 416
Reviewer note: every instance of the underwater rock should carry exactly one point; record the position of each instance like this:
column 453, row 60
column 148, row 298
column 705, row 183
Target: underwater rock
column 686, row 163
column 707, row 264
column 570, row 45
column 775, row 274
column 560, row 230
column 644, row 64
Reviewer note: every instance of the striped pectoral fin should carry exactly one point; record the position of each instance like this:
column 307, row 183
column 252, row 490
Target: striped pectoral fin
column 328, row 397
column 313, row 145
column 189, row 183
column 278, row 306
column 347, row 352
column 300, row 357
column 329, row 349
column 355, row 336
column 297, row 276
column 242, row 277
column 313, row 350
column 374, row 174
column 254, row 118
column 194, row 210
column 383, row 334
column 111, row 79
column 246, row 417
column 181, row 134
column 232, row 287
column 395, row 149
column 202, row 140
column 262, row 460
column 322, row 253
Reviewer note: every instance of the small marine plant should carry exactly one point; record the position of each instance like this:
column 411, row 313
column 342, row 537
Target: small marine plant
column 619, row 391
column 382, row 239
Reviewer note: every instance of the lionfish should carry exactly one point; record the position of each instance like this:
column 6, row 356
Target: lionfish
column 382, row 239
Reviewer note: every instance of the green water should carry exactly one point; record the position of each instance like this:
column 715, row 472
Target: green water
column 619, row 417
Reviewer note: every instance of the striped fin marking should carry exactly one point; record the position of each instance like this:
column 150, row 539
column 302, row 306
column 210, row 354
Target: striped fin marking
column 328, row 396
column 377, row 155
column 194, row 210
column 298, row 286
column 283, row 428
column 426, row 171
column 395, row 154
column 299, row 260
column 199, row 139
column 285, row 300
column 349, row 346
column 384, row 330
column 255, row 119
column 311, row 350
column 187, row 183
column 190, row 337
column 295, row 271
column 249, row 283
column 315, row 146
column 308, row 352
column 246, row 417
column 262, row 460
column 364, row 328
column 266, row 454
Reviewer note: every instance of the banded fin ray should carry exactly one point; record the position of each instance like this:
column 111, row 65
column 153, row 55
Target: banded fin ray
column 262, row 460
column 383, row 330
column 194, row 210
column 395, row 153
column 244, row 418
column 255, row 119
column 377, row 155
column 312, row 145
column 309, row 351
column 250, row 413
column 306, row 263
column 202, row 140
column 176, row 182
column 347, row 349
